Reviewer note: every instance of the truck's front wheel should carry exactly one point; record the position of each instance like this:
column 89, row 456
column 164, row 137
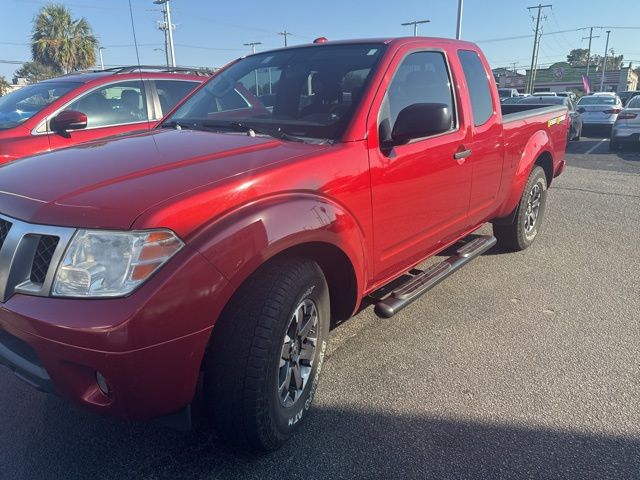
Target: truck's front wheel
column 520, row 233
column 266, row 354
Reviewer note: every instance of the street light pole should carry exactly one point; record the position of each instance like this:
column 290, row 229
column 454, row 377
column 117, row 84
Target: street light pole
column 459, row 24
column 415, row 24
column 168, row 27
column 100, row 49
column 604, row 62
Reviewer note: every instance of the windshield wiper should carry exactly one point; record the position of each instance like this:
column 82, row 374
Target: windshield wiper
column 252, row 130
column 176, row 125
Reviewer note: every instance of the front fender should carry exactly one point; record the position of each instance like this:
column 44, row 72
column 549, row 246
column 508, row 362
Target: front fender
column 245, row 238
column 540, row 143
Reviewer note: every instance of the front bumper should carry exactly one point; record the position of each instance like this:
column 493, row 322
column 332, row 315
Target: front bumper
column 148, row 346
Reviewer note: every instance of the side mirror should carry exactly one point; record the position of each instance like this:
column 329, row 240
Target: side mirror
column 580, row 110
column 421, row 120
column 68, row 120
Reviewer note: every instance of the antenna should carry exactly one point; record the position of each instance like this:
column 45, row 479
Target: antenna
column 135, row 43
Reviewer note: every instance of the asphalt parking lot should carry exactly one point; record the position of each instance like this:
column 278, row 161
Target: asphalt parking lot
column 522, row 365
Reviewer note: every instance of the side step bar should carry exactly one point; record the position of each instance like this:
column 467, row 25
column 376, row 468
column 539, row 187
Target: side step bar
column 423, row 281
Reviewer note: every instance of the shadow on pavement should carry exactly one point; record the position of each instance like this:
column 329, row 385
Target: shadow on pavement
column 332, row 444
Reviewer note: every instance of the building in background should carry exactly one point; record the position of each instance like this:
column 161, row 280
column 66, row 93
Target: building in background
column 561, row 77
column 506, row 78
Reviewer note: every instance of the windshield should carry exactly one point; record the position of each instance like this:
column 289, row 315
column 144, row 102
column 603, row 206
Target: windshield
column 634, row 102
column 308, row 92
column 504, row 92
column 19, row 106
column 598, row 100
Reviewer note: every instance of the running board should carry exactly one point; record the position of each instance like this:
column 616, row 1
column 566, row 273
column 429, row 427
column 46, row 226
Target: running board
column 423, row 281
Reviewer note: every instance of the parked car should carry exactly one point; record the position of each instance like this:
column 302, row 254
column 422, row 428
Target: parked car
column 599, row 110
column 626, row 129
column 628, row 95
column 507, row 93
column 575, row 119
column 220, row 245
column 90, row 105
column 570, row 95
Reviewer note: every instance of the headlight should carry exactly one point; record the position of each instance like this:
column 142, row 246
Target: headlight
column 101, row 263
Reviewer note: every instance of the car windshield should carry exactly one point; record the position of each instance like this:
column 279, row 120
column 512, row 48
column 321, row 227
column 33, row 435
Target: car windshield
column 307, row 93
column 504, row 92
column 634, row 102
column 598, row 100
column 19, row 106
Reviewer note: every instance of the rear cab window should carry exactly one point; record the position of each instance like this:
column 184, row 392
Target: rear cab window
column 478, row 86
column 170, row 92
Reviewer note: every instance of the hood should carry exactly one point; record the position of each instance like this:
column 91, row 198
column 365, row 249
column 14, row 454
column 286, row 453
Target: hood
column 108, row 184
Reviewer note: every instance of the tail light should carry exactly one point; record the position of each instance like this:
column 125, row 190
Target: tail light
column 613, row 110
column 627, row 116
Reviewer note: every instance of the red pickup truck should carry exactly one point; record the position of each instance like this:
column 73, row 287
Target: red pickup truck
column 223, row 243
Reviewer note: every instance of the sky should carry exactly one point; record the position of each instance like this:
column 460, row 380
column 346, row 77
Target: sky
column 212, row 32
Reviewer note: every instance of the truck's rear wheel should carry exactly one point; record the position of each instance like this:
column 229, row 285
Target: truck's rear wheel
column 525, row 226
column 266, row 354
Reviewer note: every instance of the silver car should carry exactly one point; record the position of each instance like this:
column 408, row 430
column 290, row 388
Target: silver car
column 599, row 110
column 626, row 129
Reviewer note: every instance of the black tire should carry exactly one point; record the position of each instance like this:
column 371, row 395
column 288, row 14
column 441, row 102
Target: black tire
column 519, row 234
column 243, row 367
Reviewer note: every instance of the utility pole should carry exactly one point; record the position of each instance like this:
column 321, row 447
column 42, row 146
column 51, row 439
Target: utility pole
column 285, row 34
column 168, row 29
column 415, row 24
column 589, row 54
column 535, row 68
column 459, row 24
column 514, row 66
column 536, row 40
column 604, row 62
column 100, row 49
column 253, row 50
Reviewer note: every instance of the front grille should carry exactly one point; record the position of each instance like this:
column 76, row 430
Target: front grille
column 5, row 226
column 42, row 258
column 28, row 252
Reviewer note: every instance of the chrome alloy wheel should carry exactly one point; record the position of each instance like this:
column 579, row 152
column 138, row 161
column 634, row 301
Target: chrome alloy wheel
column 533, row 209
column 298, row 352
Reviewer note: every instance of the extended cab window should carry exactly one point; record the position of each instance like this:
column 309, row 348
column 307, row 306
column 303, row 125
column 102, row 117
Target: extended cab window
column 422, row 77
column 478, row 85
column 115, row 104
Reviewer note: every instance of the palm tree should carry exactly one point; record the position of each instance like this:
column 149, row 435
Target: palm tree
column 60, row 42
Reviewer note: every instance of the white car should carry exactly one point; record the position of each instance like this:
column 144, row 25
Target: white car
column 599, row 110
column 626, row 129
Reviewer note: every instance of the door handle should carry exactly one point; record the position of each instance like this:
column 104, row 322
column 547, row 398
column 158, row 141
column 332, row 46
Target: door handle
column 462, row 154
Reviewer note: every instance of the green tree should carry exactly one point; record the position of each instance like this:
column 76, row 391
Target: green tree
column 35, row 72
column 61, row 42
column 4, row 86
column 578, row 57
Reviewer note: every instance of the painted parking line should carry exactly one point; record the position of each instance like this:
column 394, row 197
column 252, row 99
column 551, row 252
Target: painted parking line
column 596, row 146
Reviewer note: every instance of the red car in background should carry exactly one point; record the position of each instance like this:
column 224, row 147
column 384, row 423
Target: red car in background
column 86, row 106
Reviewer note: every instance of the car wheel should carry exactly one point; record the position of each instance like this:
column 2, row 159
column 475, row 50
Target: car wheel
column 520, row 233
column 266, row 353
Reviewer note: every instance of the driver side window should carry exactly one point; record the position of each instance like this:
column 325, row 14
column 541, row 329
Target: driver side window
column 115, row 104
column 422, row 77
